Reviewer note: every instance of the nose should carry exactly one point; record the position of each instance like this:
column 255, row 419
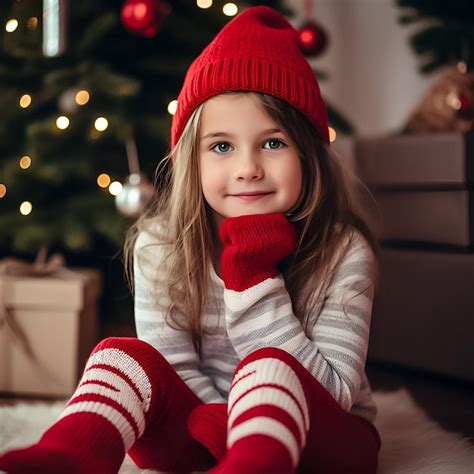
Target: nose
column 248, row 167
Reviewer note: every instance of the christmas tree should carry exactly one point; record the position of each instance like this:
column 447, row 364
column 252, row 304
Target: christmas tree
column 447, row 34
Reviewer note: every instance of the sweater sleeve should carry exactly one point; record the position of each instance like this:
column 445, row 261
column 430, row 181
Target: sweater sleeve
column 175, row 345
column 336, row 351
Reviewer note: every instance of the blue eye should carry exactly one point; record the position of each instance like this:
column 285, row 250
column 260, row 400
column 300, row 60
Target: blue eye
column 275, row 140
column 223, row 147
column 220, row 150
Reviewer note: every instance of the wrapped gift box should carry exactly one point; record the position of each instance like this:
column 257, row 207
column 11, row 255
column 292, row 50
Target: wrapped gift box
column 445, row 160
column 439, row 217
column 423, row 313
column 57, row 317
column 423, row 186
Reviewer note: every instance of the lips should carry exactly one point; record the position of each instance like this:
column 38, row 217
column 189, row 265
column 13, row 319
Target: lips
column 252, row 193
column 251, row 196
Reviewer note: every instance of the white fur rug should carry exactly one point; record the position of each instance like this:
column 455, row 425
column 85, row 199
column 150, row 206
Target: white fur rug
column 412, row 443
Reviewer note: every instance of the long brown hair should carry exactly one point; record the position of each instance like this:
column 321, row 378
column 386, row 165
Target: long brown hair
column 179, row 221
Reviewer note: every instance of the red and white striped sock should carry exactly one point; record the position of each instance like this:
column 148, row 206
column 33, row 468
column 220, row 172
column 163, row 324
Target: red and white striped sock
column 114, row 404
column 268, row 415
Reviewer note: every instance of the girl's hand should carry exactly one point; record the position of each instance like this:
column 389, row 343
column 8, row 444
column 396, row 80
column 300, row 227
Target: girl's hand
column 253, row 247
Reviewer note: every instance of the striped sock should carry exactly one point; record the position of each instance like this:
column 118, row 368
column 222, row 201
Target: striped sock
column 268, row 416
column 108, row 411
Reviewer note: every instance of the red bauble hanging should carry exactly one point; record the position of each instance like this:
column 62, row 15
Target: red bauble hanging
column 312, row 39
column 144, row 17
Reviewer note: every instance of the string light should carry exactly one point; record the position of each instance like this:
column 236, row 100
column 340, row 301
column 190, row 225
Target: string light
column 3, row 190
column 62, row 122
column 453, row 101
column 115, row 188
column 25, row 162
column 462, row 67
column 25, row 101
column 332, row 134
column 204, row 3
column 126, row 89
column 230, row 9
column 32, row 23
column 101, row 124
column 82, row 97
column 103, row 180
column 25, row 208
column 11, row 25
column 172, row 106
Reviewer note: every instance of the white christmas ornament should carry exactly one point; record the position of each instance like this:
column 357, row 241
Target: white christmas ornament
column 135, row 195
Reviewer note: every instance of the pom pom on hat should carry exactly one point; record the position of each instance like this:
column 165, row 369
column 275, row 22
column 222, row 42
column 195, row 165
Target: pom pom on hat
column 256, row 51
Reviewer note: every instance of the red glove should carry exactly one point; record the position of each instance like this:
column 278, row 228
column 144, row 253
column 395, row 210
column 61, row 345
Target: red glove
column 207, row 424
column 253, row 247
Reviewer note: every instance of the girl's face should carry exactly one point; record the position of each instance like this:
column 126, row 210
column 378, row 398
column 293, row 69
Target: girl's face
column 241, row 151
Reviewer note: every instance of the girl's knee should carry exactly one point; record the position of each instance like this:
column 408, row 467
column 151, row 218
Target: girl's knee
column 123, row 343
column 281, row 355
column 269, row 353
column 139, row 350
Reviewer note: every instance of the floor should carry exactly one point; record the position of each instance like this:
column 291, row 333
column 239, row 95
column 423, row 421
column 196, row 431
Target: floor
column 448, row 401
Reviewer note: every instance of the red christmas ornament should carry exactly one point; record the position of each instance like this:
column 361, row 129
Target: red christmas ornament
column 312, row 39
column 465, row 110
column 144, row 17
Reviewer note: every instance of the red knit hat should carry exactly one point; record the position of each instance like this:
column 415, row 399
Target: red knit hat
column 256, row 51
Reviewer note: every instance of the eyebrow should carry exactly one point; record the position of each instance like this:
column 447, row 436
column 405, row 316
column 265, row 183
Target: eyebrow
column 225, row 134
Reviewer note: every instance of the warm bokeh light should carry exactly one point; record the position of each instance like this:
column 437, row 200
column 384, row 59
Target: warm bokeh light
column 332, row 134
column 115, row 188
column 25, row 162
column 462, row 67
column 204, row 3
column 3, row 190
column 26, row 207
column 82, row 97
column 101, row 124
column 172, row 106
column 25, row 101
column 32, row 23
column 103, row 180
column 452, row 99
column 230, row 9
column 62, row 122
column 126, row 89
column 11, row 25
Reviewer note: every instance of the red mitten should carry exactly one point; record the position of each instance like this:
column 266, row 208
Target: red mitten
column 253, row 247
column 207, row 424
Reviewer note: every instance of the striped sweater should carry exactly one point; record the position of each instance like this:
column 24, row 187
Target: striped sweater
column 262, row 316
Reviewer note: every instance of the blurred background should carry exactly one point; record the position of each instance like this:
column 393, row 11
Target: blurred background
column 87, row 93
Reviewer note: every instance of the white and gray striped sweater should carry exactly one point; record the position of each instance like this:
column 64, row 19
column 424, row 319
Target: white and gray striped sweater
column 262, row 316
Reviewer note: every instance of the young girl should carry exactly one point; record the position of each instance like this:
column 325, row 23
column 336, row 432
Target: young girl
column 254, row 278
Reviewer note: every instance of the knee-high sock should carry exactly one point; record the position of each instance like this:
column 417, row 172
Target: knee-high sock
column 116, row 402
column 268, row 415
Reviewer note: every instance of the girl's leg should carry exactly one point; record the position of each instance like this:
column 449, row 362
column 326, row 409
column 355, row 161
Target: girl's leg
column 280, row 417
column 128, row 392
column 338, row 442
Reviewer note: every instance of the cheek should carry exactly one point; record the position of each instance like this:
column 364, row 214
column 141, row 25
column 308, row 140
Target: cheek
column 294, row 180
column 210, row 181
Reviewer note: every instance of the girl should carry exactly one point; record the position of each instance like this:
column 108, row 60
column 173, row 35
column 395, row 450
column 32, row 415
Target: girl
column 254, row 278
